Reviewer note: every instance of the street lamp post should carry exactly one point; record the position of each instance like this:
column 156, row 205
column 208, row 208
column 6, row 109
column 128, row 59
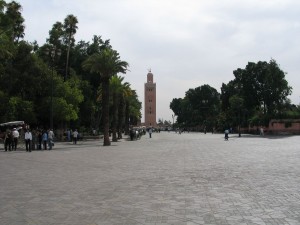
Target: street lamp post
column 53, row 53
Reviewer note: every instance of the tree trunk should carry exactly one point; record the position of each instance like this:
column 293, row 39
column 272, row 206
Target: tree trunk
column 120, row 116
column 115, row 118
column 126, row 117
column 105, row 107
column 68, row 55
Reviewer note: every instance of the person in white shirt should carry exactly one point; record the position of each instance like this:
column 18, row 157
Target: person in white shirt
column 16, row 136
column 50, row 138
column 75, row 136
column 28, row 139
column 261, row 131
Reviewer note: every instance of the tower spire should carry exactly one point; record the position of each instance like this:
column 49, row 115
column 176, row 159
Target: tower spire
column 150, row 101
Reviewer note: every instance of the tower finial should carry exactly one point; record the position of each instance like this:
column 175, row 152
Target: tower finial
column 149, row 70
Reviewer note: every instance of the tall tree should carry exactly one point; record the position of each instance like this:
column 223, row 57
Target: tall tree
column 199, row 107
column 56, row 35
column 126, row 91
column 132, row 109
column 236, row 105
column 106, row 63
column 116, row 89
column 15, row 21
column 263, row 86
column 70, row 27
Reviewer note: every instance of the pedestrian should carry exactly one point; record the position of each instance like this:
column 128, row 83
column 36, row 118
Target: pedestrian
column 16, row 136
column 40, row 139
column 69, row 135
column 75, row 136
column 45, row 139
column 261, row 131
column 226, row 134
column 8, row 140
column 150, row 132
column 28, row 139
column 50, row 138
column 33, row 142
column 132, row 134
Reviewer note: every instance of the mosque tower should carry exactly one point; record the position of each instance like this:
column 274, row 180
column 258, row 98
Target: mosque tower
column 150, row 101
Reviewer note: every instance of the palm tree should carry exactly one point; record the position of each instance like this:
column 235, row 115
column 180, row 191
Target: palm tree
column 56, row 35
column 116, row 88
column 132, row 110
column 125, row 92
column 70, row 29
column 106, row 63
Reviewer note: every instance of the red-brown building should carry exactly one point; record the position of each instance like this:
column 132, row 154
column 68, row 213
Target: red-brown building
column 150, row 101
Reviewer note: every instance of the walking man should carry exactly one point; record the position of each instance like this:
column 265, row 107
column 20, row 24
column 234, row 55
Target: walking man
column 45, row 139
column 75, row 136
column 50, row 138
column 16, row 136
column 28, row 139
column 8, row 140
column 150, row 132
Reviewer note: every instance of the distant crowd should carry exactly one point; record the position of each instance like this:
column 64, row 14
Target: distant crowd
column 36, row 139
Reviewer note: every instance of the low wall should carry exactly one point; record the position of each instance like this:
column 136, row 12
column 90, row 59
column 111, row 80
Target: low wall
column 287, row 126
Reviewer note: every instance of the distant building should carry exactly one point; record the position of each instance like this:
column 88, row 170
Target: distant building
column 150, row 101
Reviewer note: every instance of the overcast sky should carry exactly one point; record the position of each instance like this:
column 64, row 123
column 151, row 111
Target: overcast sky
column 186, row 43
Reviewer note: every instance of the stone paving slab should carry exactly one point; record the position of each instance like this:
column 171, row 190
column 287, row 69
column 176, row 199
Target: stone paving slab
column 186, row 179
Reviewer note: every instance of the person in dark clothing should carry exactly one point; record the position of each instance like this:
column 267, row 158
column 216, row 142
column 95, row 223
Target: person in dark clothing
column 39, row 138
column 8, row 140
column 45, row 139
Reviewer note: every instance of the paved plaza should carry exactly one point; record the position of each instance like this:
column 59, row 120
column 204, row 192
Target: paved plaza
column 186, row 179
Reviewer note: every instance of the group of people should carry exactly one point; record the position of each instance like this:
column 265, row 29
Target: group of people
column 37, row 139
column 11, row 140
column 72, row 135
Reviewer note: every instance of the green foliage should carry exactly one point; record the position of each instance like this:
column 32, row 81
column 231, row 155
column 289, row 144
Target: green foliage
column 236, row 102
column 263, row 89
column 4, row 98
column 28, row 76
column 33, row 79
column 56, row 35
column 107, row 63
column 199, row 108
column 64, row 111
column 70, row 91
column 257, row 94
column 135, row 107
column 18, row 109
column 11, row 22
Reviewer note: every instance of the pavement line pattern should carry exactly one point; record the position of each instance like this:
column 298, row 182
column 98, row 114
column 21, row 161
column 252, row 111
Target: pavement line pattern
column 187, row 179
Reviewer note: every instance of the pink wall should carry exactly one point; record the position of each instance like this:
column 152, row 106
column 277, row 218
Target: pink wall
column 277, row 126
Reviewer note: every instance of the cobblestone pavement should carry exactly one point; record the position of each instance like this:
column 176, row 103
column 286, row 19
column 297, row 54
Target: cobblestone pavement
column 186, row 179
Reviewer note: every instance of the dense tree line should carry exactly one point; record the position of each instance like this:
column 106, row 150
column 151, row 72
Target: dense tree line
column 257, row 94
column 75, row 83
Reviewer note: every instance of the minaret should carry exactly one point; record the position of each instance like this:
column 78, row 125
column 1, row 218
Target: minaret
column 150, row 101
